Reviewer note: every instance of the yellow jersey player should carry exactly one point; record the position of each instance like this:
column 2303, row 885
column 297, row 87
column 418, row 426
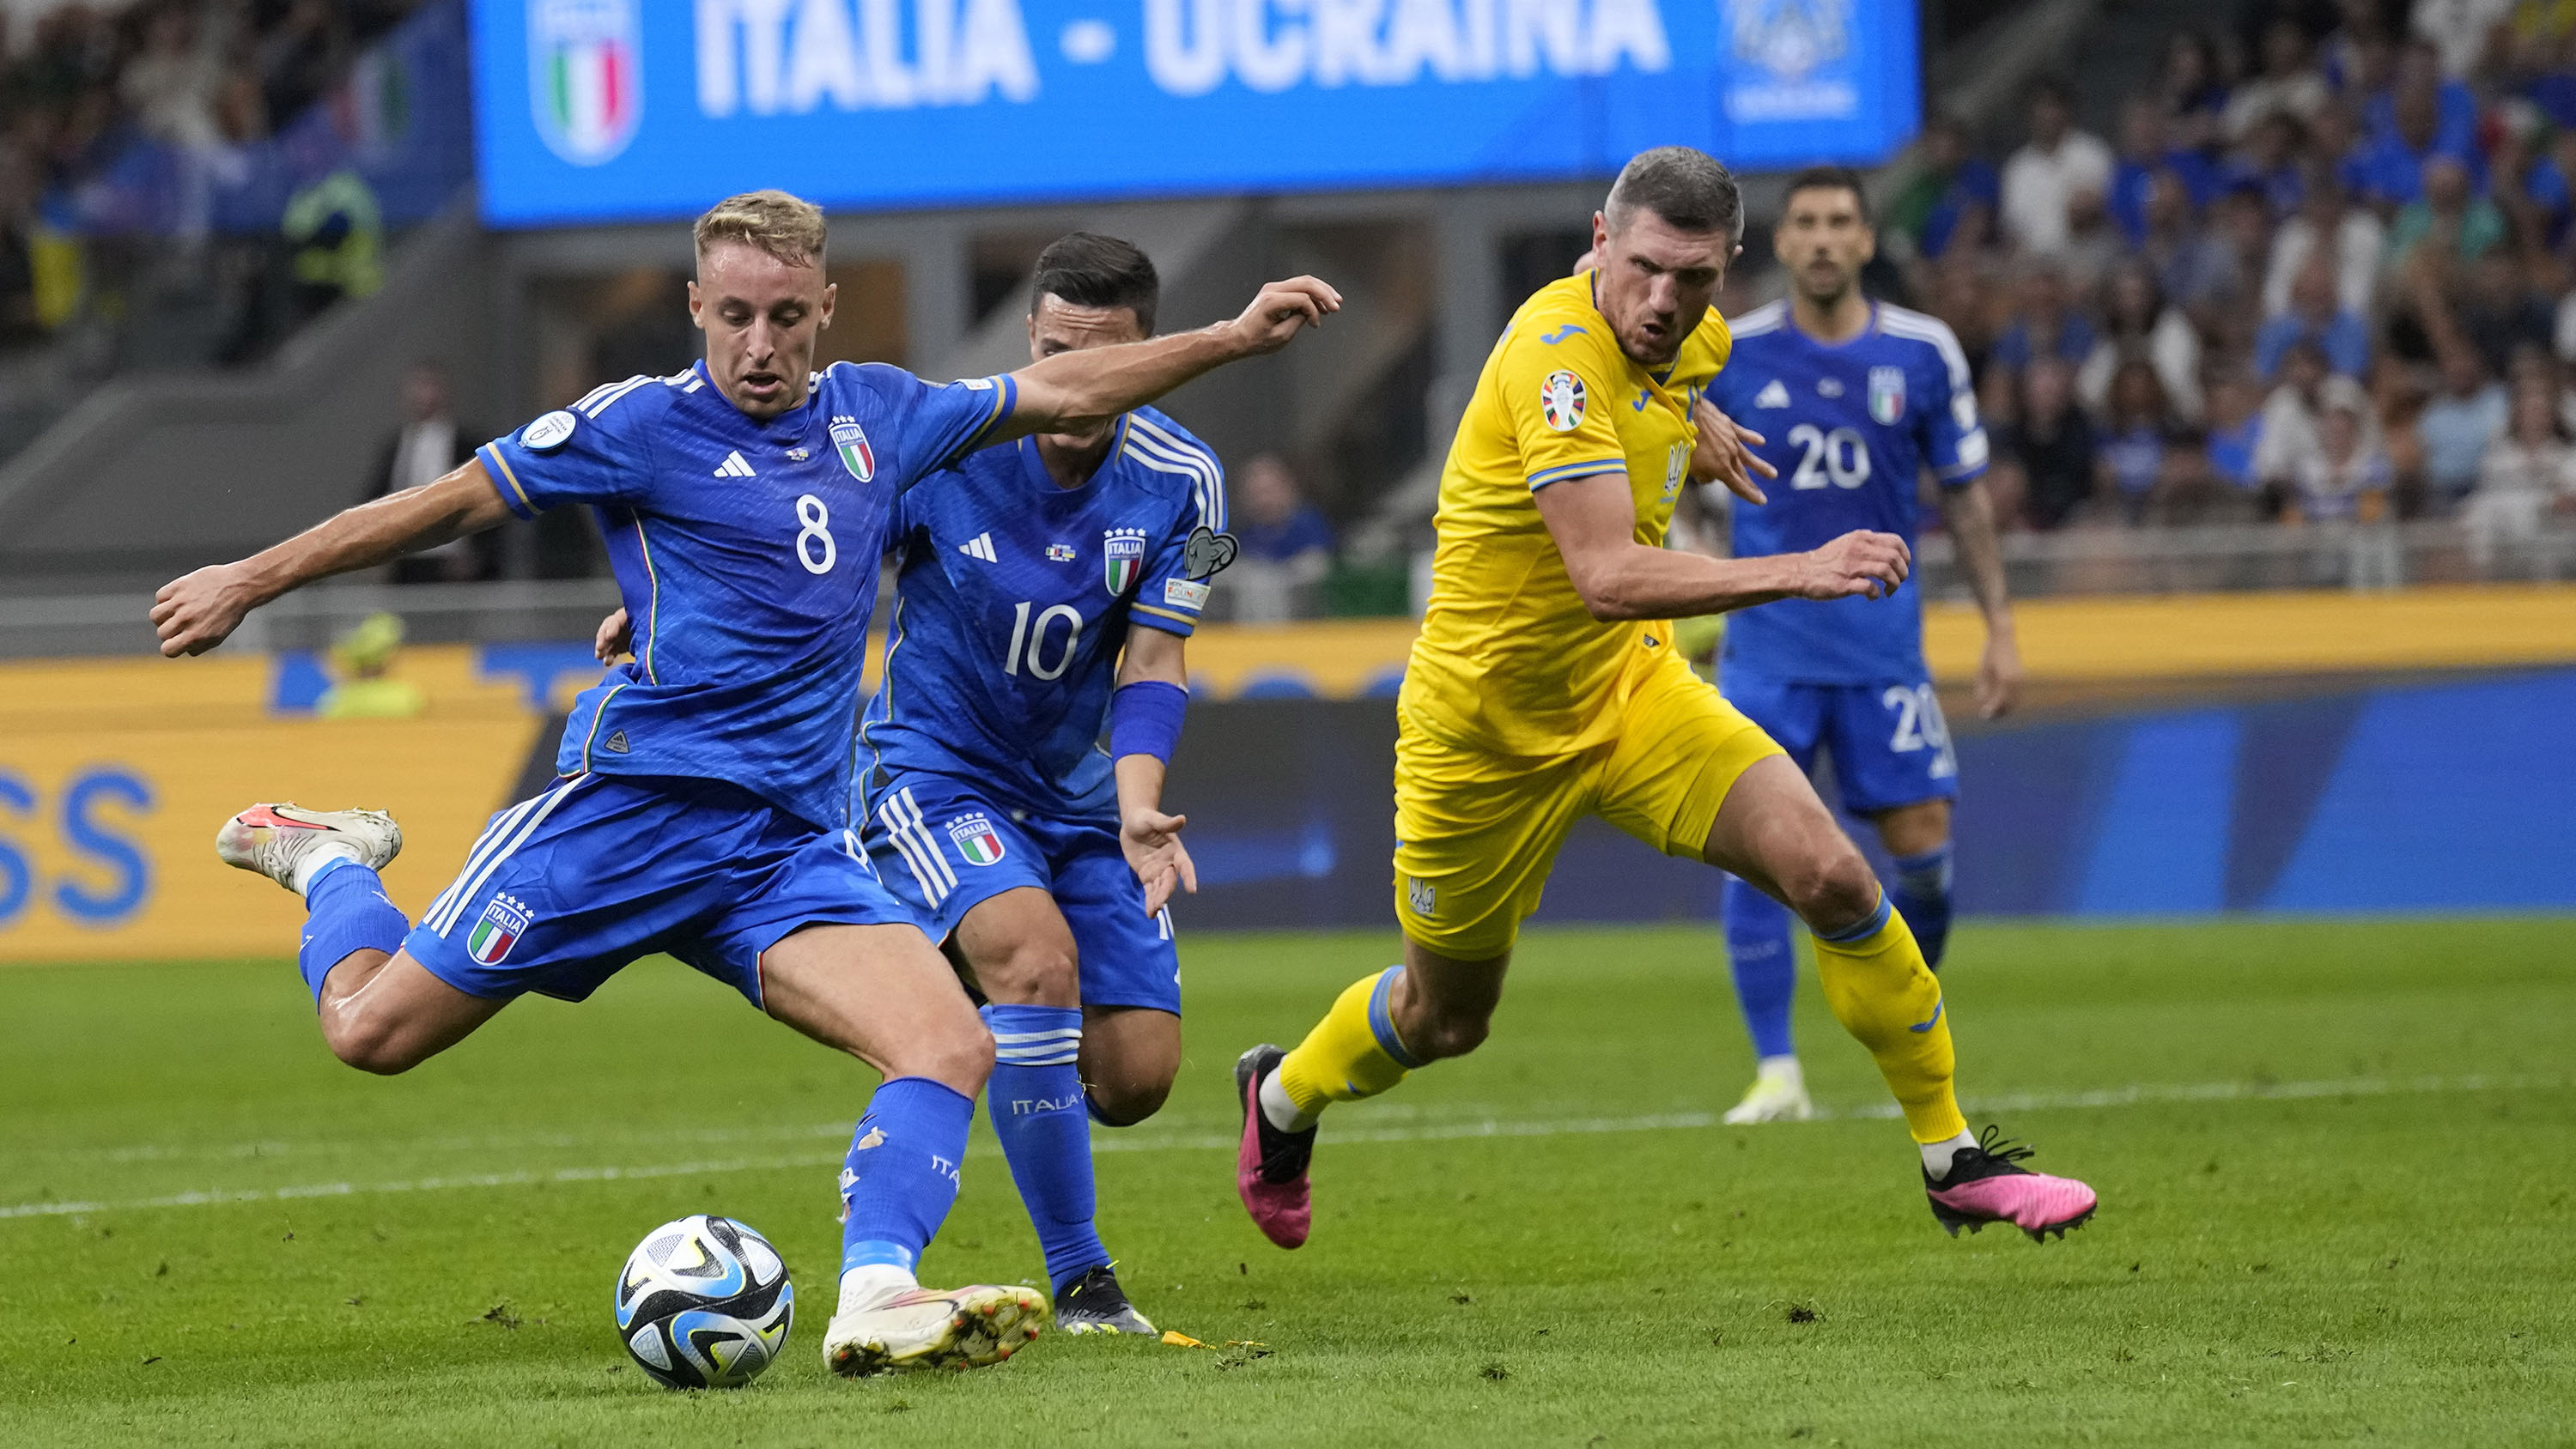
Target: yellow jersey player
column 1545, row 687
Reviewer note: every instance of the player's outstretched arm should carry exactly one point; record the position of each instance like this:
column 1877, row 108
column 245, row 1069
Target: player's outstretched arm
column 198, row 611
column 1072, row 391
column 1150, row 839
column 1968, row 513
column 1594, row 523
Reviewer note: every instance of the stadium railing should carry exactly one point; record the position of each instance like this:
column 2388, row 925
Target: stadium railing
column 2226, row 558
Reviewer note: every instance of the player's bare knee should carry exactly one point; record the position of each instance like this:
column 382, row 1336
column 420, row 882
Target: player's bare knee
column 1834, row 891
column 373, row 1047
column 1447, row 1036
column 1031, row 973
column 1125, row 1100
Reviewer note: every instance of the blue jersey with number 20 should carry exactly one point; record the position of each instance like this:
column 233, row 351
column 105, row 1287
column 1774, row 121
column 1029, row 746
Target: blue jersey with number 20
column 746, row 553
column 1849, row 426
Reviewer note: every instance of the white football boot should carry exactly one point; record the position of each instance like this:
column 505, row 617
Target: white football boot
column 929, row 1328
column 275, row 839
column 1778, row 1094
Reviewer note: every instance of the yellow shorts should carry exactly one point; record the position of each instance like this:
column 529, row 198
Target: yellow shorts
column 1476, row 832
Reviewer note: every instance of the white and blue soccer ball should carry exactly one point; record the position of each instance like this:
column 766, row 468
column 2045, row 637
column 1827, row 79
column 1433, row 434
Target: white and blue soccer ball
column 704, row 1303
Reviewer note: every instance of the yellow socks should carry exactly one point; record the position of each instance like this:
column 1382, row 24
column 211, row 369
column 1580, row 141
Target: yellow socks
column 1883, row 994
column 1354, row 1051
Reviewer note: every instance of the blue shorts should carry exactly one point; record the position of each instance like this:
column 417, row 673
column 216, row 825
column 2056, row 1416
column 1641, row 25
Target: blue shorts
column 563, row 890
column 945, row 850
column 1889, row 744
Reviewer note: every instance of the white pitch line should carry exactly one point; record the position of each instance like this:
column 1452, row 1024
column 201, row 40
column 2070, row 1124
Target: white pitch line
column 2139, row 1095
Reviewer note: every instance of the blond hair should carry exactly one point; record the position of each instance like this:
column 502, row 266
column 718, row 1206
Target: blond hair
column 787, row 227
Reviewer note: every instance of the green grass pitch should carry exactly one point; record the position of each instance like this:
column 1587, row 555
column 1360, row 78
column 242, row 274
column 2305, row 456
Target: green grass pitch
column 2337, row 1165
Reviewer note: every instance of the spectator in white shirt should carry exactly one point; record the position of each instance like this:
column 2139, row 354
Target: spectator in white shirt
column 2526, row 475
column 2342, row 487
column 2350, row 234
column 2043, row 179
column 2137, row 324
column 2290, row 414
column 2289, row 83
column 2459, row 30
column 427, row 445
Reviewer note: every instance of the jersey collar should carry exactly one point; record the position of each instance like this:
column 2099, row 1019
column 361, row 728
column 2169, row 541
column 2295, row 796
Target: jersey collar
column 1868, row 331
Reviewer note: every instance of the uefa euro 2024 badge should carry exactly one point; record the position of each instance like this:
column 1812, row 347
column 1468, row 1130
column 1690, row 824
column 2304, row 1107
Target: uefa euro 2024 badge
column 1560, row 401
column 549, row 432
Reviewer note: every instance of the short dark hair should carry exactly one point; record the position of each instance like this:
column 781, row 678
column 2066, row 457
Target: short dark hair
column 1090, row 270
column 1830, row 178
column 1691, row 190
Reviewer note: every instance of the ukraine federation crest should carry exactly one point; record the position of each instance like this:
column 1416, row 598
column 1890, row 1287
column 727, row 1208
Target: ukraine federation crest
column 851, row 442
column 1122, row 557
column 976, row 839
column 1886, row 395
column 585, row 76
column 504, row 922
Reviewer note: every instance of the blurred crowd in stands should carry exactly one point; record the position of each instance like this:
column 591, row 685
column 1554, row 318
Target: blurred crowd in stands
column 81, row 85
column 2324, row 272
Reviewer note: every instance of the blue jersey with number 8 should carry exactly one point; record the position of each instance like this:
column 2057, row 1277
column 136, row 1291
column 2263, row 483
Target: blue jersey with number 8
column 1850, row 426
column 746, row 551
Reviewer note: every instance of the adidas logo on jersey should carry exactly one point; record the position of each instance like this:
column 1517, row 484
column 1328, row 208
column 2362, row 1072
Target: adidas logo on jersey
column 980, row 546
column 615, row 744
column 1776, row 395
column 734, row 467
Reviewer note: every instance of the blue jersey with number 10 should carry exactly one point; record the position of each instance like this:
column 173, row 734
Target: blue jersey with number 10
column 1849, row 426
column 746, row 553
column 1012, row 600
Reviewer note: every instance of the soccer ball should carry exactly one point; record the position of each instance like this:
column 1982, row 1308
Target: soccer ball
column 704, row 1303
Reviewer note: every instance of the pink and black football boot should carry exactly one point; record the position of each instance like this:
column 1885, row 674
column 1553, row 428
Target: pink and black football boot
column 1270, row 1166
column 1988, row 1184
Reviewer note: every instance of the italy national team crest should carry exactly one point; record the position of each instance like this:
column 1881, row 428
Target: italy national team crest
column 1560, row 401
column 1886, row 395
column 586, row 76
column 1122, row 556
column 851, row 442
column 504, row 922
column 976, row 839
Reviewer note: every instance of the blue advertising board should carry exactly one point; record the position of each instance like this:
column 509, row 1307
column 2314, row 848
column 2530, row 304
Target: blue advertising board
column 600, row 110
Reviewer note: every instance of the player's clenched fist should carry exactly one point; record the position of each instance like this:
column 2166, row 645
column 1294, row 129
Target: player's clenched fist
column 1859, row 562
column 198, row 611
column 1283, row 308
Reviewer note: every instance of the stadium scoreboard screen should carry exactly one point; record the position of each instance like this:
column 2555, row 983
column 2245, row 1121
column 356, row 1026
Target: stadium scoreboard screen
column 607, row 110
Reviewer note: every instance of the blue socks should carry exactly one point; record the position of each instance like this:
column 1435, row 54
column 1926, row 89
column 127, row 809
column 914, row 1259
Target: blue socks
column 1766, row 969
column 1041, row 1114
column 1923, row 898
column 900, row 1179
column 348, row 911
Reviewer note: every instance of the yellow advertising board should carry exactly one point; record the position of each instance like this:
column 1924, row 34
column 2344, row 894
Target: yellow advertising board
column 114, row 776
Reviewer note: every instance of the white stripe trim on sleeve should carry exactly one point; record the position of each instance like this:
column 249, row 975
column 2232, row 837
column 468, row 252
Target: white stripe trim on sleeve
column 594, row 409
column 1156, row 440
